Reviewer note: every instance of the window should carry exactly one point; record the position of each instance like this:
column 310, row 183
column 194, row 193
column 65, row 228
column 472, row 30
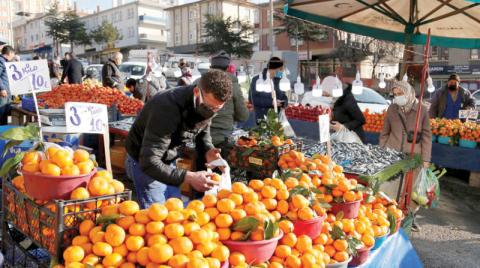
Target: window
column 131, row 31
column 211, row 8
column 191, row 36
column 130, row 13
column 120, row 15
column 439, row 53
column 177, row 38
column 162, row 32
column 474, row 54
column 293, row 42
column 178, row 17
column 191, row 14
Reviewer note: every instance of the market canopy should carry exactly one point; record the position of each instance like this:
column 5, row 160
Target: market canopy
column 453, row 23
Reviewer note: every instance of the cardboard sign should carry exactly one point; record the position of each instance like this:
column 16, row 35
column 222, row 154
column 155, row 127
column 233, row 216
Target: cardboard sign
column 83, row 117
column 468, row 114
column 28, row 76
column 324, row 127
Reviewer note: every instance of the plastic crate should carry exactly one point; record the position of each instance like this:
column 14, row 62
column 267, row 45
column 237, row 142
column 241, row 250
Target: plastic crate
column 56, row 117
column 260, row 162
column 52, row 225
column 28, row 104
column 16, row 254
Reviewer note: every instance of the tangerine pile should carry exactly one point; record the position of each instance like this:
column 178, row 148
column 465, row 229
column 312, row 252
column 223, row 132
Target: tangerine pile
column 58, row 162
column 470, row 131
column 373, row 121
column 166, row 234
column 445, row 127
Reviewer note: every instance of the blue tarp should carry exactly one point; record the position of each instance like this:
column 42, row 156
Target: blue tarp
column 395, row 252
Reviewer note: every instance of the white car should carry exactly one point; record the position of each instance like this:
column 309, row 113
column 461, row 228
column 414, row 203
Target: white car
column 369, row 99
column 133, row 69
column 476, row 96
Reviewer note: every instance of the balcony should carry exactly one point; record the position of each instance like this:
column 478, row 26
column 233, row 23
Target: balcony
column 152, row 20
column 151, row 37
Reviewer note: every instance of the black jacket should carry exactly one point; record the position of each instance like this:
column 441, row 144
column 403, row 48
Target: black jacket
column 111, row 75
column 166, row 123
column 263, row 101
column 73, row 70
column 347, row 112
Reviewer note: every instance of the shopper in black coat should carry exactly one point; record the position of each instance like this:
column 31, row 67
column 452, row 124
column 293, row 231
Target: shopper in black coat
column 346, row 113
column 73, row 70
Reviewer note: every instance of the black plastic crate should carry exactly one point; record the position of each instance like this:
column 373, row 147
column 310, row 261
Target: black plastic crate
column 53, row 225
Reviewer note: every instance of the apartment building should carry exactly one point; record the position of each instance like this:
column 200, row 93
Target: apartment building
column 187, row 20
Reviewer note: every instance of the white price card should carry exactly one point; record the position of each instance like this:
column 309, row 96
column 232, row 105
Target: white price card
column 84, row 117
column 28, row 76
column 468, row 114
column 324, row 127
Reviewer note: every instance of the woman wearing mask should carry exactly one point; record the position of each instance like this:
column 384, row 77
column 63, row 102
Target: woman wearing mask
column 262, row 101
column 347, row 115
column 399, row 126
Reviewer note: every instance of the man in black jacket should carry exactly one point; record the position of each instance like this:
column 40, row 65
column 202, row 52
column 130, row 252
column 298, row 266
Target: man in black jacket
column 111, row 75
column 169, row 122
column 73, row 70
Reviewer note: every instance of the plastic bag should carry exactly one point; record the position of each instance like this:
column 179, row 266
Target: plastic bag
column 226, row 181
column 287, row 128
column 346, row 136
column 426, row 191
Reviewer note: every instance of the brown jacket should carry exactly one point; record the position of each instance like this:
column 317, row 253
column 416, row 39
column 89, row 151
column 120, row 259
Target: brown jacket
column 439, row 101
column 394, row 136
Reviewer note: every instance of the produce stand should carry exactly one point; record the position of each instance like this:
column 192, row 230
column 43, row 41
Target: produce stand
column 20, row 116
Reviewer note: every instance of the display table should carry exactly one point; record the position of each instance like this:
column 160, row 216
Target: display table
column 396, row 251
column 20, row 117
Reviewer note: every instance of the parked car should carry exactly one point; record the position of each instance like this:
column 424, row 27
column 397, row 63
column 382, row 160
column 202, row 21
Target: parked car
column 476, row 96
column 369, row 99
column 133, row 69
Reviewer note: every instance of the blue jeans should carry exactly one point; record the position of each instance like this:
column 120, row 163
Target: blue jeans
column 148, row 190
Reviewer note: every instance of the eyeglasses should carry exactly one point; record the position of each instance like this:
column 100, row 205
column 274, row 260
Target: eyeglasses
column 214, row 108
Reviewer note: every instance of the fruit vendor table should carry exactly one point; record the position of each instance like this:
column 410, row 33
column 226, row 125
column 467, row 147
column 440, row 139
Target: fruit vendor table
column 396, row 251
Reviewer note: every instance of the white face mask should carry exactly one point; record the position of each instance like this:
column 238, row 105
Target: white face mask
column 400, row 100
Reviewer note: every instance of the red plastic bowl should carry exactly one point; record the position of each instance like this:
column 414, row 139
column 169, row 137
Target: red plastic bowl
column 399, row 223
column 312, row 228
column 255, row 252
column 350, row 209
column 361, row 258
column 45, row 187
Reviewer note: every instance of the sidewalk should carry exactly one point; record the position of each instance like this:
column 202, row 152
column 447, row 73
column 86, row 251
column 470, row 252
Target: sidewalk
column 450, row 235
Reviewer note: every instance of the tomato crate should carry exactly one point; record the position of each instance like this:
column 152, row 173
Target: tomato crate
column 52, row 225
column 258, row 161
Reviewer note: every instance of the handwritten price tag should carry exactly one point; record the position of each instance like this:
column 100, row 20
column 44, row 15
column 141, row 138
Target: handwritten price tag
column 324, row 127
column 27, row 76
column 83, row 117
column 468, row 114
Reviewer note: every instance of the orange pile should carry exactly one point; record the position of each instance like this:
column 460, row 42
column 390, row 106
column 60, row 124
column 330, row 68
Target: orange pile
column 58, row 162
column 166, row 234
column 445, row 127
column 470, row 131
column 373, row 121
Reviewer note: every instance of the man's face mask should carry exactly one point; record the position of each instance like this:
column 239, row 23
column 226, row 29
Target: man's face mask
column 203, row 109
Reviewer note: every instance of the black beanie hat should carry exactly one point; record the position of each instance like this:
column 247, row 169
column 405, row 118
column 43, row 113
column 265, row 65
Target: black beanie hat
column 275, row 63
column 454, row 77
column 221, row 60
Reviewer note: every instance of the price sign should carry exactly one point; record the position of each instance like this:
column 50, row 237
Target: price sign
column 83, row 117
column 27, row 76
column 468, row 114
column 324, row 127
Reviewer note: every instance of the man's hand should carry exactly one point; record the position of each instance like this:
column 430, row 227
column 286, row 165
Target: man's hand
column 212, row 154
column 426, row 164
column 200, row 180
column 3, row 93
